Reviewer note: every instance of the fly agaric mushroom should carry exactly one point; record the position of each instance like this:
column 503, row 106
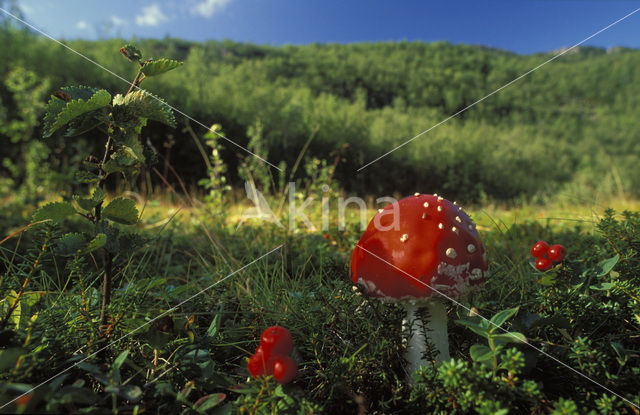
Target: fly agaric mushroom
column 420, row 252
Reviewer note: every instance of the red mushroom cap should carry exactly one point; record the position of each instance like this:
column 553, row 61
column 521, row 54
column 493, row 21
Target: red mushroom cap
column 434, row 241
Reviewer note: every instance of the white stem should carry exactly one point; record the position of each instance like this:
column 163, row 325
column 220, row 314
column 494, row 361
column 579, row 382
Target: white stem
column 436, row 329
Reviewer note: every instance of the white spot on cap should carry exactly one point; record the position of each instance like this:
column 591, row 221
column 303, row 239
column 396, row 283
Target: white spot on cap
column 470, row 227
column 439, row 208
column 451, row 253
column 404, row 238
column 440, row 226
column 435, row 194
column 454, row 229
column 476, row 274
column 455, row 203
column 440, row 198
column 416, row 194
column 379, row 210
column 426, row 204
column 458, row 219
column 471, row 248
column 424, row 215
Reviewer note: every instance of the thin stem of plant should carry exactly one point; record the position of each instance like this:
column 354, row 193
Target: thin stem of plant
column 16, row 300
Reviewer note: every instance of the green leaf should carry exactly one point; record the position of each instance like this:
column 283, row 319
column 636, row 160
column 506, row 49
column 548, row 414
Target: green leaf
column 86, row 177
column 91, row 202
column 53, row 108
column 510, row 337
column 209, row 401
column 58, row 115
column 96, row 243
column 605, row 286
column 9, row 358
column 70, row 243
column 481, row 353
column 14, row 319
column 214, row 327
column 84, row 123
column 121, row 210
column 131, row 52
column 476, row 328
column 54, row 211
column 143, row 104
column 500, row 317
column 158, row 66
column 547, row 279
column 605, row 266
column 133, row 147
column 117, row 364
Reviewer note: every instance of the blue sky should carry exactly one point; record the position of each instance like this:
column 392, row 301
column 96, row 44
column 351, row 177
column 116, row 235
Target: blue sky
column 522, row 26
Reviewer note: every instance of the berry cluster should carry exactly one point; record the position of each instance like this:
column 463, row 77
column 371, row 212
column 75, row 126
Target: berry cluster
column 271, row 357
column 547, row 255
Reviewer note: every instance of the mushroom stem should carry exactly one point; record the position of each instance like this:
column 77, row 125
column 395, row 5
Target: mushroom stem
column 436, row 329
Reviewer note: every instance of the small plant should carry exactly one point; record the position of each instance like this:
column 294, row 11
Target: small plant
column 496, row 338
column 79, row 110
column 216, row 182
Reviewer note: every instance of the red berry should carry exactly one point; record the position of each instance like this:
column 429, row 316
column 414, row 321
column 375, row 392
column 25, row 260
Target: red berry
column 276, row 340
column 326, row 236
column 543, row 264
column 284, row 369
column 539, row 250
column 556, row 253
column 260, row 363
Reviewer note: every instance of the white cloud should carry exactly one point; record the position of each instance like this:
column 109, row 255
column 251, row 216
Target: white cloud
column 208, row 8
column 151, row 16
column 82, row 25
column 118, row 21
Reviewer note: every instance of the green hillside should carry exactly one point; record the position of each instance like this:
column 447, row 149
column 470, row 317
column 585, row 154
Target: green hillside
column 571, row 124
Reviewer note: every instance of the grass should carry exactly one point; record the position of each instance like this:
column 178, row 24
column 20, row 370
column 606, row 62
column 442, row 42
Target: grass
column 349, row 348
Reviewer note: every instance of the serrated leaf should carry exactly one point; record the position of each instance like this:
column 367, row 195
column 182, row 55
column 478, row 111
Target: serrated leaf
column 86, row 177
column 143, row 104
column 82, row 124
column 70, row 244
column 88, row 203
column 53, row 108
column 80, row 91
column 159, row 66
column 501, row 316
column 131, row 52
column 133, row 146
column 96, row 243
column 481, row 353
column 121, row 210
column 54, row 211
column 58, row 116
